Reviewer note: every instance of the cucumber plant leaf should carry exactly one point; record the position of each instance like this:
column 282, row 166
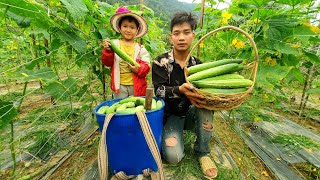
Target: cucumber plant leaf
column 314, row 91
column 285, row 48
column 297, row 74
column 62, row 90
column 293, row 2
column 7, row 113
column 29, row 11
column 312, row 57
column 269, row 76
column 26, row 75
column 279, row 28
column 77, row 42
column 290, row 60
column 76, row 8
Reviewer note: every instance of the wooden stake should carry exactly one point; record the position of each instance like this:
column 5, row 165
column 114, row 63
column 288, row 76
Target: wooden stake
column 149, row 95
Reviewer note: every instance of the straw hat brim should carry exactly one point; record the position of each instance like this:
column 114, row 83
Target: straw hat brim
column 143, row 26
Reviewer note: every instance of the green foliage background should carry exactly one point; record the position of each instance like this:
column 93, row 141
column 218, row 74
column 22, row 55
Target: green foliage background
column 57, row 41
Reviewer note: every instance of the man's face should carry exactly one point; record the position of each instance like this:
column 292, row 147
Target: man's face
column 182, row 36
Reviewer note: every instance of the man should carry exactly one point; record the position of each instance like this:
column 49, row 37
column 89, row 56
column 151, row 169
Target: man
column 183, row 106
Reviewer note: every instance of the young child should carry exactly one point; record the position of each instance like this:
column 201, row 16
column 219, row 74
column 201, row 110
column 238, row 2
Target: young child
column 127, row 79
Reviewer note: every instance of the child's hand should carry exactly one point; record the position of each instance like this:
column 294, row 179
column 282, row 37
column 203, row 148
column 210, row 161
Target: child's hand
column 133, row 68
column 106, row 44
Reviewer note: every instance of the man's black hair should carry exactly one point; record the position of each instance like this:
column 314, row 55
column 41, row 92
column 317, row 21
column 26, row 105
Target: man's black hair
column 182, row 17
column 130, row 19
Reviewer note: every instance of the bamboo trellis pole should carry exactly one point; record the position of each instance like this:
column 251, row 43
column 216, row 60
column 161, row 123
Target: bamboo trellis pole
column 201, row 23
column 141, row 5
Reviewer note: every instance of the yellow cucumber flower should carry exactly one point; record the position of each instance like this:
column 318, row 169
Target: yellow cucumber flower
column 307, row 24
column 315, row 29
column 24, row 74
column 223, row 21
column 273, row 62
column 226, row 15
column 256, row 20
column 201, row 45
column 264, row 173
column 234, row 41
column 237, row 43
column 295, row 46
column 268, row 59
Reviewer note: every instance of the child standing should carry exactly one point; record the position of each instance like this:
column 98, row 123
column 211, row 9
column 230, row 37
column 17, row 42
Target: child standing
column 127, row 79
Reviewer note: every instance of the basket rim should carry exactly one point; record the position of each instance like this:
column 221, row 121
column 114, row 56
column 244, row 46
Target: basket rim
column 255, row 62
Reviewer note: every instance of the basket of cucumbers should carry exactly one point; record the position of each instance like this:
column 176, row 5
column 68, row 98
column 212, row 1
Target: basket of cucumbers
column 224, row 83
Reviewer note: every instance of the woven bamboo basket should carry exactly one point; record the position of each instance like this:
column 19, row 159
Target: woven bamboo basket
column 227, row 101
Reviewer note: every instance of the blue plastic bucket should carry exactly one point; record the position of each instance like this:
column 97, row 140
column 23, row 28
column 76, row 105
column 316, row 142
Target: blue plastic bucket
column 127, row 148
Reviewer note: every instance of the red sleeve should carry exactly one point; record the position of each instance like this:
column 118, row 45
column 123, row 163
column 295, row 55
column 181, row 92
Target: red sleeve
column 107, row 57
column 143, row 69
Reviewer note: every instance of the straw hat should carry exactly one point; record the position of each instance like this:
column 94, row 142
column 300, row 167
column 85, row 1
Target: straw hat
column 123, row 11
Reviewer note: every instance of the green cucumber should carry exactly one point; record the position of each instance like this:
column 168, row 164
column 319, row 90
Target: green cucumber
column 122, row 107
column 154, row 104
column 224, row 77
column 224, row 91
column 128, row 99
column 204, row 66
column 103, row 109
column 215, row 71
column 126, row 111
column 239, row 68
column 130, row 104
column 159, row 104
column 140, row 108
column 122, row 54
column 112, row 108
column 224, row 84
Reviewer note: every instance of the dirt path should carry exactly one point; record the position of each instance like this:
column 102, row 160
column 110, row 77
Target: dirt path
column 5, row 89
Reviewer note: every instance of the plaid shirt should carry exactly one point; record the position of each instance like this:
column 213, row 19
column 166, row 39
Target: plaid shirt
column 167, row 76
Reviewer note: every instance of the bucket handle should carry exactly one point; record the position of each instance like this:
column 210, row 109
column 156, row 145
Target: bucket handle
column 149, row 137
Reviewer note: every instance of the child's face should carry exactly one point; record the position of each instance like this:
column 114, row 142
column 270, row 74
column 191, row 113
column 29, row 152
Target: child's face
column 182, row 36
column 128, row 29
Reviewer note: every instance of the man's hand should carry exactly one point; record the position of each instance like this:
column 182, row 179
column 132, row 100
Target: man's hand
column 133, row 68
column 195, row 98
column 106, row 44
